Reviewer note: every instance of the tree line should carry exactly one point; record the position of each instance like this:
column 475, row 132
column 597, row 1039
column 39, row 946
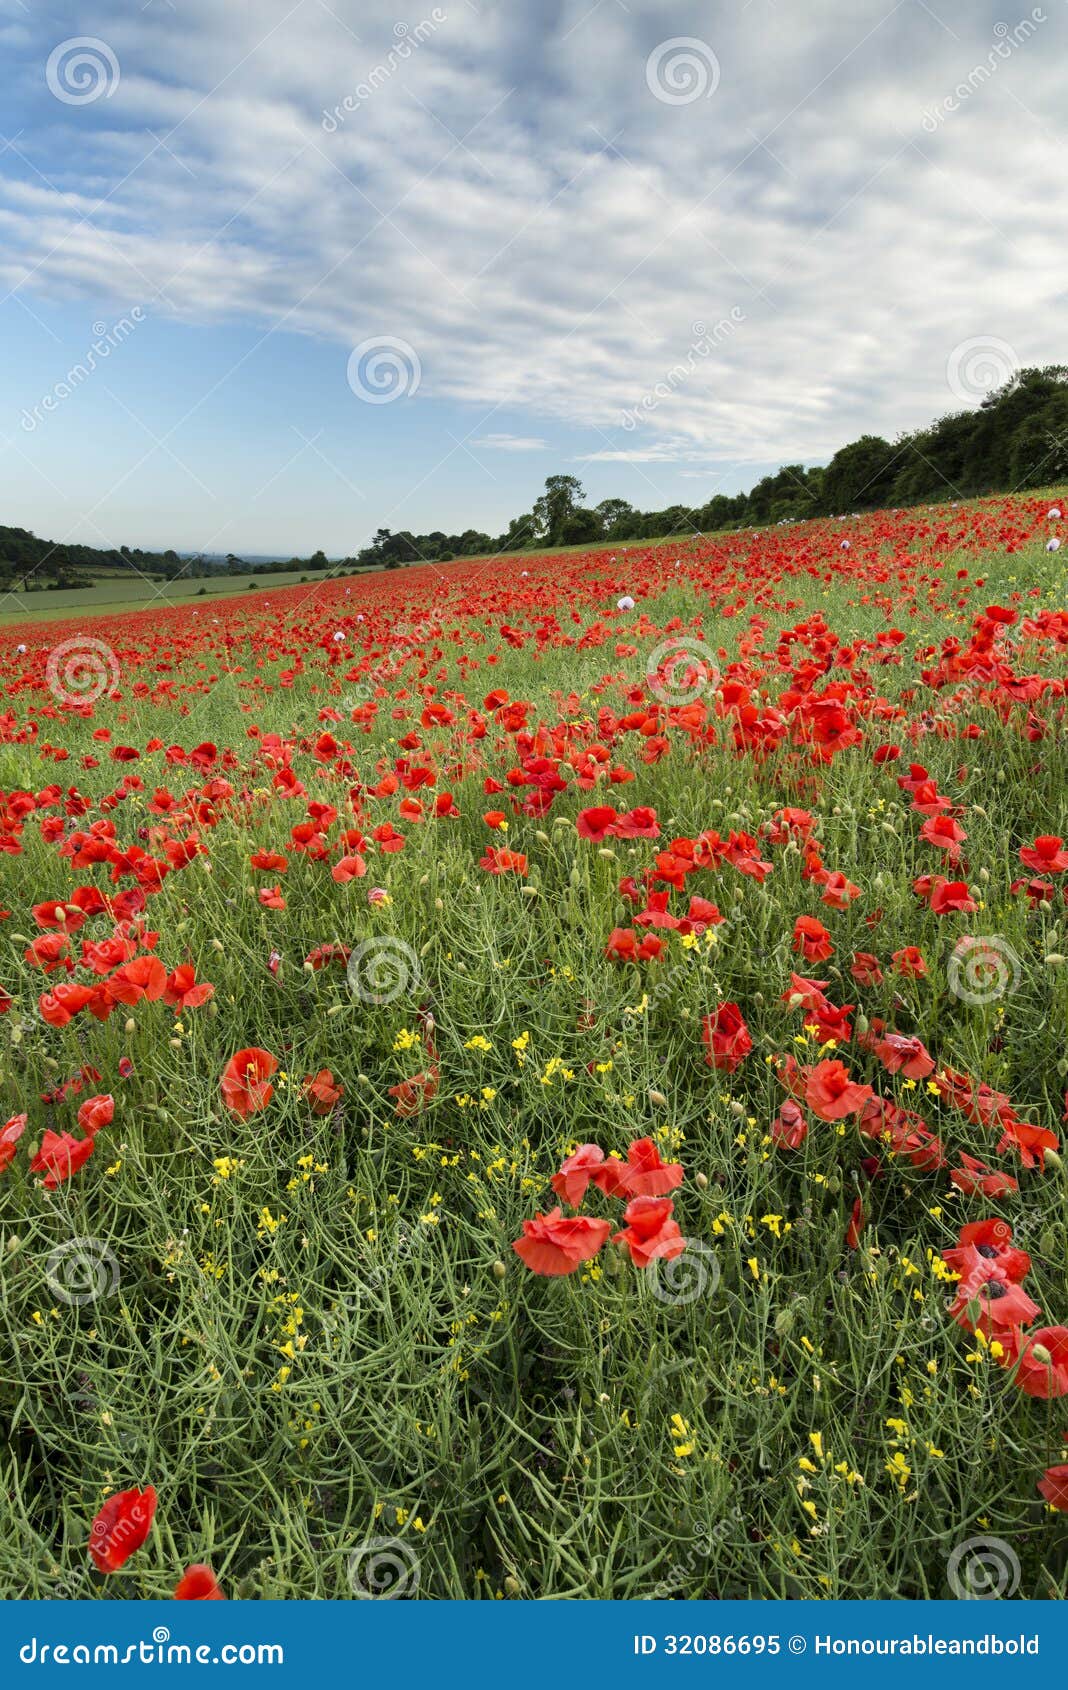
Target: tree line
column 1017, row 438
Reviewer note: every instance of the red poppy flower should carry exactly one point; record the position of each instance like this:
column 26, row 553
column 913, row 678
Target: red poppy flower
column 646, row 1175
column 1053, row 1485
column 596, row 824
column 811, row 939
column 831, row 1094
column 726, row 1038
column 245, row 1082
column 96, row 1112
column 973, row 1176
column 909, row 962
column 121, row 1527
column 413, row 1095
column 1042, row 1367
column 1045, row 855
column 321, row 1091
column 553, row 1244
column 865, row 969
column 59, row 1157
column 901, row 1055
column 499, row 860
column 576, row 1171
column 857, row 1222
column 651, row 1233
column 182, row 990
column 988, row 1240
column 10, row 1134
column 789, row 1126
column 198, row 1584
column 987, row 1301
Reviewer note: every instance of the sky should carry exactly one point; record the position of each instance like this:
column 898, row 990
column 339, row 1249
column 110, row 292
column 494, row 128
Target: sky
column 275, row 275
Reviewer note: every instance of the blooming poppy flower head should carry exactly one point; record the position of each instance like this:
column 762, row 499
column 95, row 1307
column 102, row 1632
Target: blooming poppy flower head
column 646, row 1175
column 198, row 1584
column 59, row 1157
column 651, row 1233
column 10, row 1133
column 811, row 939
column 246, row 1081
column 831, row 1094
column 726, row 1038
column 1042, row 1365
column 575, row 1173
column 555, row 1244
column 1053, row 1485
column 96, row 1112
column 121, row 1527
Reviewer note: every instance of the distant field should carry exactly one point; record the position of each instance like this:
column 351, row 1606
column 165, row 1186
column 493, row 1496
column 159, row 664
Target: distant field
column 115, row 593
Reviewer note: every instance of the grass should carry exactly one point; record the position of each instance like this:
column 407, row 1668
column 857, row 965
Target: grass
column 311, row 1334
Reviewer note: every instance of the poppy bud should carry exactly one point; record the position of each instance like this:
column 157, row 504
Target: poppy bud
column 499, row 1270
column 529, row 891
column 1054, row 959
column 511, row 1586
column 984, row 876
column 131, row 1026
column 701, row 1181
column 542, row 838
column 439, row 904
column 658, row 1098
column 1052, row 1160
column 1040, row 1354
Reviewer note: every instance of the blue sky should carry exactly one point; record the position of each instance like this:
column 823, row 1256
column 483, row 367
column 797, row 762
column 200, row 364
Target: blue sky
column 663, row 247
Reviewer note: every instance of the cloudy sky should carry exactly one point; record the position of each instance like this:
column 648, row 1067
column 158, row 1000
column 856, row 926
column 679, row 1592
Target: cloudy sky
column 347, row 266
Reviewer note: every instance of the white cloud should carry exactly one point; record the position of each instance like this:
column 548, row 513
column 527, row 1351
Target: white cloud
column 511, row 443
column 510, row 198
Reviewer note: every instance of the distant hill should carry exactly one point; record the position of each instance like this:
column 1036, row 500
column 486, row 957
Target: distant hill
column 27, row 563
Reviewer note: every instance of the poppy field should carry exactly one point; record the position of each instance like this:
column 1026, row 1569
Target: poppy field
column 544, row 1076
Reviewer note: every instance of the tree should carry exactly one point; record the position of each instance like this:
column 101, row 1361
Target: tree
column 618, row 518
column 859, row 476
column 562, row 496
column 582, row 528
